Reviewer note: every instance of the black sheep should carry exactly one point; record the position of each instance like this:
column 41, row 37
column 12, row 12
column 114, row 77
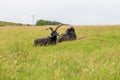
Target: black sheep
column 69, row 35
column 48, row 40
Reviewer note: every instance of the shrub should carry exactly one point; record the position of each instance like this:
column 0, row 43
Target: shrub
column 46, row 22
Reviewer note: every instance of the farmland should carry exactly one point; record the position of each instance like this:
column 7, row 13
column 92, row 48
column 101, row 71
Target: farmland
column 95, row 57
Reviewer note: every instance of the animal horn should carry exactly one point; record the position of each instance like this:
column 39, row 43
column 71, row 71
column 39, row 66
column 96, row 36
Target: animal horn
column 50, row 28
column 58, row 26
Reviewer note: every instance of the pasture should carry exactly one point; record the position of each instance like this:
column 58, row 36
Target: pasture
column 95, row 57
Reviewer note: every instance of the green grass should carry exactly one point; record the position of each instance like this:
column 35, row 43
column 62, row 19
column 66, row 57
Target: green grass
column 95, row 57
column 4, row 23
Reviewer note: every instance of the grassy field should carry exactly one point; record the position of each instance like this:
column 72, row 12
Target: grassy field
column 3, row 23
column 95, row 57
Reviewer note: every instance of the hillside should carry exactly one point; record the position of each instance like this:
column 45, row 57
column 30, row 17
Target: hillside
column 4, row 23
column 95, row 57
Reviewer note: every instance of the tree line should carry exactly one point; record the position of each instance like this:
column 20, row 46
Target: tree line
column 46, row 22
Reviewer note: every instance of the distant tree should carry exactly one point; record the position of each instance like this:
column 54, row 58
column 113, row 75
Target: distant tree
column 46, row 22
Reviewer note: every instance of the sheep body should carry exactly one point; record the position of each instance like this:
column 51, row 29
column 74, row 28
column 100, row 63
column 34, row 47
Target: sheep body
column 69, row 35
column 50, row 40
column 42, row 41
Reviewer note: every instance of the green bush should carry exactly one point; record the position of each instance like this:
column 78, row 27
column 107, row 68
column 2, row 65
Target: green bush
column 46, row 22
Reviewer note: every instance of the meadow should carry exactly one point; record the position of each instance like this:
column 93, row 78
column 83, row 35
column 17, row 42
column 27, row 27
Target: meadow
column 95, row 57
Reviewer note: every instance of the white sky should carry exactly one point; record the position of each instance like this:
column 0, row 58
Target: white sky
column 78, row 12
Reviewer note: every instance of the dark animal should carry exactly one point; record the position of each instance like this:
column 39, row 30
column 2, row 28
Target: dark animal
column 69, row 35
column 48, row 40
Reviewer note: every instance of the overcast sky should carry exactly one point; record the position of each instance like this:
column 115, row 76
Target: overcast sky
column 78, row 12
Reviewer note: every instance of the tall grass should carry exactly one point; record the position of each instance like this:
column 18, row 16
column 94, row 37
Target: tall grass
column 95, row 57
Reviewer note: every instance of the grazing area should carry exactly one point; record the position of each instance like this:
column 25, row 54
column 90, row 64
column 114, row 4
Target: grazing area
column 4, row 23
column 95, row 57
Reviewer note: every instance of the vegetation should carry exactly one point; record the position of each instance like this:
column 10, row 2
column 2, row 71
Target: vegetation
column 3, row 23
column 46, row 22
column 96, row 57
